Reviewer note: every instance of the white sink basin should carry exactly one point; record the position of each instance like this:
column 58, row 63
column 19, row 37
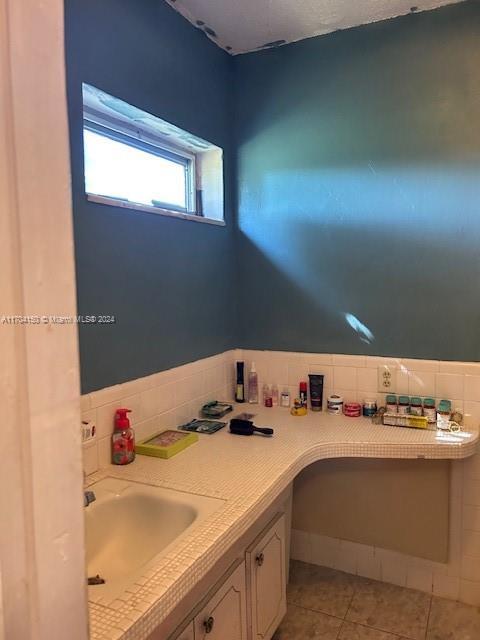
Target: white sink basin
column 131, row 525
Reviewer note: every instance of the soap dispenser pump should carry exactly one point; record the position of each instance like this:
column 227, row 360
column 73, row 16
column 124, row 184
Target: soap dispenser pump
column 123, row 439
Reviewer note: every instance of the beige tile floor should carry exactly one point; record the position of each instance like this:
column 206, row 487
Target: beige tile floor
column 325, row 604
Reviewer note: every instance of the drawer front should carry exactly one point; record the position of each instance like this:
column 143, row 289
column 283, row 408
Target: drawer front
column 224, row 616
column 267, row 581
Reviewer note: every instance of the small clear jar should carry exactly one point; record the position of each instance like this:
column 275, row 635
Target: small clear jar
column 369, row 408
column 444, row 411
column 429, row 410
column 392, row 404
column 416, row 407
column 285, row 398
column 267, row 396
column 403, row 405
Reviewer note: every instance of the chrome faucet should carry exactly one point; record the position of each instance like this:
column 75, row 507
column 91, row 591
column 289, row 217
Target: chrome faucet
column 88, row 498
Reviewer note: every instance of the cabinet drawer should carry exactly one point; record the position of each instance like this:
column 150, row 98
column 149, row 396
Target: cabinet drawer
column 224, row 616
column 266, row 580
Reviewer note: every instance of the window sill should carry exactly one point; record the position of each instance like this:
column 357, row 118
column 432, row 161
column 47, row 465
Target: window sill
column 151, row 209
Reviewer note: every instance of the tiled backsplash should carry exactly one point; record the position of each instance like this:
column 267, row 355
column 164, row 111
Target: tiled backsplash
column 164, row 399
column 167, row 398
column 356, row 377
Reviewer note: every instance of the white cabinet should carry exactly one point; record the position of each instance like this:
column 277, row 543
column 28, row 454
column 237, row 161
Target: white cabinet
column 186, row 634
column 266, row 581
column 249, row 602
column 224, row 616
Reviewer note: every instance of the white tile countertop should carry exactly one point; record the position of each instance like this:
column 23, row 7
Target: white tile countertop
column 248, row 473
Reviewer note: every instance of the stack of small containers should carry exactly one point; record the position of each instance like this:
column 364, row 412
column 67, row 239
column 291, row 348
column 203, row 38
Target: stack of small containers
column 415, row 406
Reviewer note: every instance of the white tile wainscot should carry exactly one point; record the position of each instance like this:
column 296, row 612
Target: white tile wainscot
column 249, row 474
column 164, row 399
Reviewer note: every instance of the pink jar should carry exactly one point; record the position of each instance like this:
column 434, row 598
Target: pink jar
column 352, row 409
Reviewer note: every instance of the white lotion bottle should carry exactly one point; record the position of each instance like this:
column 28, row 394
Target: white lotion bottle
column 253, row 385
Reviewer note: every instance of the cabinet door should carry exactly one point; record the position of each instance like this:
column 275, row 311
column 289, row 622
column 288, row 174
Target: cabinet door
column 266, row 579
column 224, row 616
column 186, row 634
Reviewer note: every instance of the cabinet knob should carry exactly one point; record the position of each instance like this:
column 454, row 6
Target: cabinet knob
column 259, row 559
column 208, row 624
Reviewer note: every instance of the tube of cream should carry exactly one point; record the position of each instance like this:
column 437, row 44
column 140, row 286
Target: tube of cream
column 316, row 391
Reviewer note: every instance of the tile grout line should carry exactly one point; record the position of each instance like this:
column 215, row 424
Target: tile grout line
column 343, row 621
column 329, row 615
column 394, row 634
column 339, row 630
column 356, row 587
column 351, row 600
column 347, row 610
column 428, row 616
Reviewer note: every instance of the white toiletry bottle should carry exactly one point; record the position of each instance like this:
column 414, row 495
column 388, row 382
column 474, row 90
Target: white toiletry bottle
column 285, row 398
column 253, row 385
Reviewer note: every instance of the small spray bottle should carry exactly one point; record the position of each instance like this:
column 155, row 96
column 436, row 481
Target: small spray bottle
column 303, row 393
column 253, row 385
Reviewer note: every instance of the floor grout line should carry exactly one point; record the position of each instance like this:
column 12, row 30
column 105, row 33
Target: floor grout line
column 350, row 603
column 428, row 616
column 356, row 587
column 343, row 621
column 366, row 626
column 329, row 615
column 339, row 630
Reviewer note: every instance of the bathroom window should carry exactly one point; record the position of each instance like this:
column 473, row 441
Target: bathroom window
column 119, row 166
column 135, row 160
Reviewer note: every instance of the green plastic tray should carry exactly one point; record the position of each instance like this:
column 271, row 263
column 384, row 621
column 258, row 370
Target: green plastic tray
column 165, row 444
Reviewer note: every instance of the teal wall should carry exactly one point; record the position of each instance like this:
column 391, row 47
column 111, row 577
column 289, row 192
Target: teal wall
column 352, row 161
column 359, row 189
column 167, row 281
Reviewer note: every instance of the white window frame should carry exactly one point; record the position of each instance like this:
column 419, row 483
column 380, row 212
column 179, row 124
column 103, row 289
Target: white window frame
column 124, row 122
column 156, row 146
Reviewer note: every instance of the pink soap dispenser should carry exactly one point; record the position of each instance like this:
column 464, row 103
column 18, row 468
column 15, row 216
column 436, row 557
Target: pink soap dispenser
column 123, row 439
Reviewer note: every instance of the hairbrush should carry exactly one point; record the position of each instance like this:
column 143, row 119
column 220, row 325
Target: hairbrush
column 247, row 428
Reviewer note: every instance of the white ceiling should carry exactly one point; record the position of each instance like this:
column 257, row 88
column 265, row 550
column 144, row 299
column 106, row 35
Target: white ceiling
column 246, row 25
